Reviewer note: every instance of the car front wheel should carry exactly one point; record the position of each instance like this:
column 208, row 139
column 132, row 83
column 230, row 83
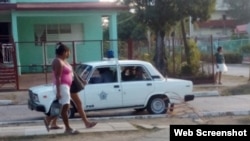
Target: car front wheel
column 71, row 112
column 157, row 105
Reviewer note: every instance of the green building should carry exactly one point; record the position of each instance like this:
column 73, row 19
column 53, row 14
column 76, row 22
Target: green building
column 33, row 27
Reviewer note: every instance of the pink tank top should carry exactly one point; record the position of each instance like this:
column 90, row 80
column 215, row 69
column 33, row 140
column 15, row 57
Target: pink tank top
column 67, row 75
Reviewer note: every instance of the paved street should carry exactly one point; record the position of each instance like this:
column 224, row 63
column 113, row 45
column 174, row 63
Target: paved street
column 238, row 70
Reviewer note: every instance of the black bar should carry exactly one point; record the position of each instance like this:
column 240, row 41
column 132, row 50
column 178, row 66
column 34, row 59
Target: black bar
column 180, row 132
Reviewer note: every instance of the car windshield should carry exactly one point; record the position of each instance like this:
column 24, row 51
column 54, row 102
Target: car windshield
column 84, row 71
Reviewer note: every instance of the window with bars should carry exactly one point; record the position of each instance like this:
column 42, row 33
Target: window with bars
column 57, row 32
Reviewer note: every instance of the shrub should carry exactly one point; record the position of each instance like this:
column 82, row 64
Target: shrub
column 245, row 49
column 194, row 54
column 233, row 58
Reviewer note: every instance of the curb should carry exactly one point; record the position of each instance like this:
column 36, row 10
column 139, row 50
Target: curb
column 206, row 93
column 6, row 102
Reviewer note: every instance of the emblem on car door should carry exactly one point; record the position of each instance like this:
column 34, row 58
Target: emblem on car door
column 103, row 95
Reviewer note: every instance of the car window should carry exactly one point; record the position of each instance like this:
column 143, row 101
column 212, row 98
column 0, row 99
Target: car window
column 84, row 71
column 104, row 74
column 134, row 73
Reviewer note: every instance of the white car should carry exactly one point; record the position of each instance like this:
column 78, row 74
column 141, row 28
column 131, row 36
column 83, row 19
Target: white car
column 113, row 84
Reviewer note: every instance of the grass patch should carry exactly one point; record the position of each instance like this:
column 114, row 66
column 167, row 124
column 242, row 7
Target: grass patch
column 236, row 90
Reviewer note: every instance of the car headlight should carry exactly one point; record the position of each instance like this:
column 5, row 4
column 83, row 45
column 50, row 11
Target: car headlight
column 33, row 96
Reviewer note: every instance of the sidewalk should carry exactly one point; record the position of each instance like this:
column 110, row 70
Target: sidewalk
column 41, row 130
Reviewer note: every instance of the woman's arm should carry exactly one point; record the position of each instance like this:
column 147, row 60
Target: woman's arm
column 57, row 68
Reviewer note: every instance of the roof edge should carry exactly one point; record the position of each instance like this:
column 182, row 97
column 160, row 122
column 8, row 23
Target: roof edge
column 64, row 6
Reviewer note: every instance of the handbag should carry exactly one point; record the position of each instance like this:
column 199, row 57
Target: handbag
column 77, row 84
column 55, row 109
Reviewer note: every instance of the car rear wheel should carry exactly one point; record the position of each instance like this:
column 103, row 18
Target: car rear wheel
column 157, row 105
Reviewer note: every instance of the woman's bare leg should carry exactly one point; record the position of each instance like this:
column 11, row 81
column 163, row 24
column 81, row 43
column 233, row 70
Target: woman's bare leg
column 80, row 110
column 49, row 119
column 216, row 78
column 64, row 114
column 220, row 78
column 54, row 124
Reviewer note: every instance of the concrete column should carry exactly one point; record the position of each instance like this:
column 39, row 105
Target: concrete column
column 113, row 34
column 15, row 37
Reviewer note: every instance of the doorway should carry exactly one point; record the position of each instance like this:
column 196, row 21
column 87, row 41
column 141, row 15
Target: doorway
column 4, row 37
column 4, row 32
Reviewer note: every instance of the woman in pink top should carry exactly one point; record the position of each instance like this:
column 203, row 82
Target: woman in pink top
column 63, row 76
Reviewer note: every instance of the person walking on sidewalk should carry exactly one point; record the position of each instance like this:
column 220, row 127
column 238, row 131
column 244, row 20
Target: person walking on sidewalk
column 219, row 65
column 76, row 99
column 74, row 90
column 63, row 76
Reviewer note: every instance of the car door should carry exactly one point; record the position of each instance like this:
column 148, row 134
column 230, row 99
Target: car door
column 135, row 89
column 103, row 90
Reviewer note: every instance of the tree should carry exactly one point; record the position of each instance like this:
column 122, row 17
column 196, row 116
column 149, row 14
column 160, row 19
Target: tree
column 239, row 9
column 128, row 27
column 156, row 15
column 160, row 15
column 197, row 10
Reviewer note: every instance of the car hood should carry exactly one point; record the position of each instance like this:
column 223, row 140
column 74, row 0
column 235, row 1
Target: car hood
column 42, row 88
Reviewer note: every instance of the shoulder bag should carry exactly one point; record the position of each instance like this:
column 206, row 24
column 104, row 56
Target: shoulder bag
column 77, row 84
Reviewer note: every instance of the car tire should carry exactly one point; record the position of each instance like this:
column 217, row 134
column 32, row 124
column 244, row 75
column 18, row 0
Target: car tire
column 71, row 113
column 157, row 105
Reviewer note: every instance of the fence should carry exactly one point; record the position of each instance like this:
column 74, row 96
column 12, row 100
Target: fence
column 35, row 60
column 229, row 45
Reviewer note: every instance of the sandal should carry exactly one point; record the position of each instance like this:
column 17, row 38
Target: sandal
column 71, row 132
column 55, row 127
column 91, row 124
column 46, row 124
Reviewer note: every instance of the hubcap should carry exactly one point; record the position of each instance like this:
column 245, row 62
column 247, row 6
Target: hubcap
column 158, row 105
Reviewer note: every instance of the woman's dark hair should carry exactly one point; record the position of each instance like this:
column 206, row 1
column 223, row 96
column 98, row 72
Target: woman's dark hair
column 219, row 48
column 61, row 48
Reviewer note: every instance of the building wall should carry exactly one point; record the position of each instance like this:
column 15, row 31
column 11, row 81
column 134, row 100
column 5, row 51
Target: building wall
column 88, row 49
column 31, row 54
column 217, row 15
column 206, row 32
column 220, row 10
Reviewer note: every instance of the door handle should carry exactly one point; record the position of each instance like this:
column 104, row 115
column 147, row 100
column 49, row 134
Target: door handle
column 116, row 86
column 149, row 84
